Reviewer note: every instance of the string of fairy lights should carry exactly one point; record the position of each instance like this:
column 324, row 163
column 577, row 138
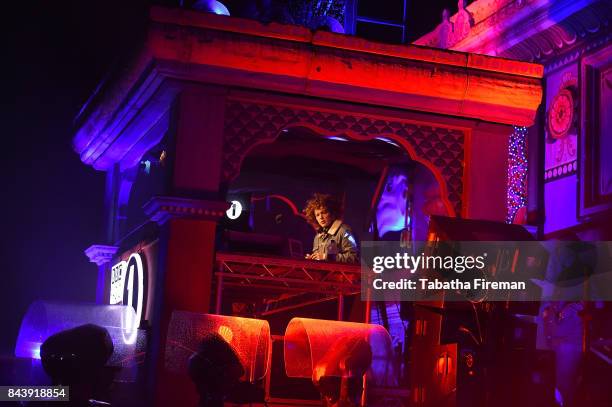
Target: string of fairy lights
column 517, row 172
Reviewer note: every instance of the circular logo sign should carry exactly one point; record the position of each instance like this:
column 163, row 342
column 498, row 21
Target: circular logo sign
column 234, row 210
column 128, row 288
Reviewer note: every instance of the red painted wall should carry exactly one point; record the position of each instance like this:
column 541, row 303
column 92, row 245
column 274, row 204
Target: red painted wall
column 486, row 172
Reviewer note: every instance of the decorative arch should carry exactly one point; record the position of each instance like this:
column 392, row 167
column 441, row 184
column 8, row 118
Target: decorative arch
column 441, row 150
column 292, row 206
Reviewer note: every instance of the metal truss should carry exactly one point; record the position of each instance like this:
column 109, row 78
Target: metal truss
column 288, row 275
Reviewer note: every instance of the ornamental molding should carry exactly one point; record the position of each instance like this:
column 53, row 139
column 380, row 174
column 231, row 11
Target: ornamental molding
column 162, row 208
column 101, row 254
column 582, row 29
column 250, row 123
column 575, row 53
column 130, row 111
column 526, row 30
column 561, row 171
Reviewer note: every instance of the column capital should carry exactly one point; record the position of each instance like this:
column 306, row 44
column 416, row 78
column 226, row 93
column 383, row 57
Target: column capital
column 161, row 208
column 100, row 254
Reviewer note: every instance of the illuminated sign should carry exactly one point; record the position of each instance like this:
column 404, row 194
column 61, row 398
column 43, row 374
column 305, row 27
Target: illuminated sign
column 127, row 288
column 117, row 282
column 234, row 211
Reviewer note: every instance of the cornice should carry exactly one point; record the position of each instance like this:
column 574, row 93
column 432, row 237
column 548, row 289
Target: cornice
column 162, row 208
column 188, row 47
column 101, row 254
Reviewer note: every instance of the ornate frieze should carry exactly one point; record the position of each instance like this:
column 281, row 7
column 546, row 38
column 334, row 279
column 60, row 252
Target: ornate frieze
column 525, row 30
column 573, row 33
column 561, row 171
column 247, row 124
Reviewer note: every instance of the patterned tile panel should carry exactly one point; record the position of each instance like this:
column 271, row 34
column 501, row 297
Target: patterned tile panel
column 247, row 124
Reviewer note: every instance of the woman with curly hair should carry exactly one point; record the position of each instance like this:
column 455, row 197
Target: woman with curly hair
column 334, row 240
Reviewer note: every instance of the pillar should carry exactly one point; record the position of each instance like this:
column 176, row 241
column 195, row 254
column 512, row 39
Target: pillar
column 187, row 225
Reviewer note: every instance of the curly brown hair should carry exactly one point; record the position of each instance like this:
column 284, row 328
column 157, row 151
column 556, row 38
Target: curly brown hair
column 322, row 201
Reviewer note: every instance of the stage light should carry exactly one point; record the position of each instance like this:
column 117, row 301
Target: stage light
column 386, row 140
column 211, row 6
column 78, row 358
column 226, row 357
column 336, row 354
column 44, row 319
column 35, row 350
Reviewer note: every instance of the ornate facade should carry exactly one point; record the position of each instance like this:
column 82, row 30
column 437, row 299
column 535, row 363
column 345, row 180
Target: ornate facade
column 567, row 190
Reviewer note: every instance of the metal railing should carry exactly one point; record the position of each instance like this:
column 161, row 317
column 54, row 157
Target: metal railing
column 285, row 275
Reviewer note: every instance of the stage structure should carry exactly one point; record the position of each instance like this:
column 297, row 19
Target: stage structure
column 219, row 130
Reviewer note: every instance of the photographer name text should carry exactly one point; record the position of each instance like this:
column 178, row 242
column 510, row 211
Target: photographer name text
column 437, row 284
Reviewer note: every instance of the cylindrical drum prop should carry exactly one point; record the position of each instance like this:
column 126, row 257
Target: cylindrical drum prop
column 249, row 340
column 45, row 318
column 315, row 348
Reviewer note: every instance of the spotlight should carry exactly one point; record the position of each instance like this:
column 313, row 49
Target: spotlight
column 215, row 370
column 77, row 358
column 211, row 6
column 339, row 374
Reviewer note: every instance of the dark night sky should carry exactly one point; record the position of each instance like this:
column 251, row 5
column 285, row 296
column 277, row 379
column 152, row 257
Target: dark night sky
column 52, row 203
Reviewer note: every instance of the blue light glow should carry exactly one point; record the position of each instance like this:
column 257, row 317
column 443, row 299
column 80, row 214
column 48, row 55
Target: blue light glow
column 211, row 6
column 45, row 318
column 146, row 166
column 391, row 211
column 386, row 140
column 558, row 397
column 219, row 8
column 336, row 138
column 36, row 351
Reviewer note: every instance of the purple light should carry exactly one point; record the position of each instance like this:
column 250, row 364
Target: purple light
column 44, row 318
column 211, row 6
column 558, row 397
column 36, row 351
column 336, row 138
column 391, row 211
column 219, row 8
